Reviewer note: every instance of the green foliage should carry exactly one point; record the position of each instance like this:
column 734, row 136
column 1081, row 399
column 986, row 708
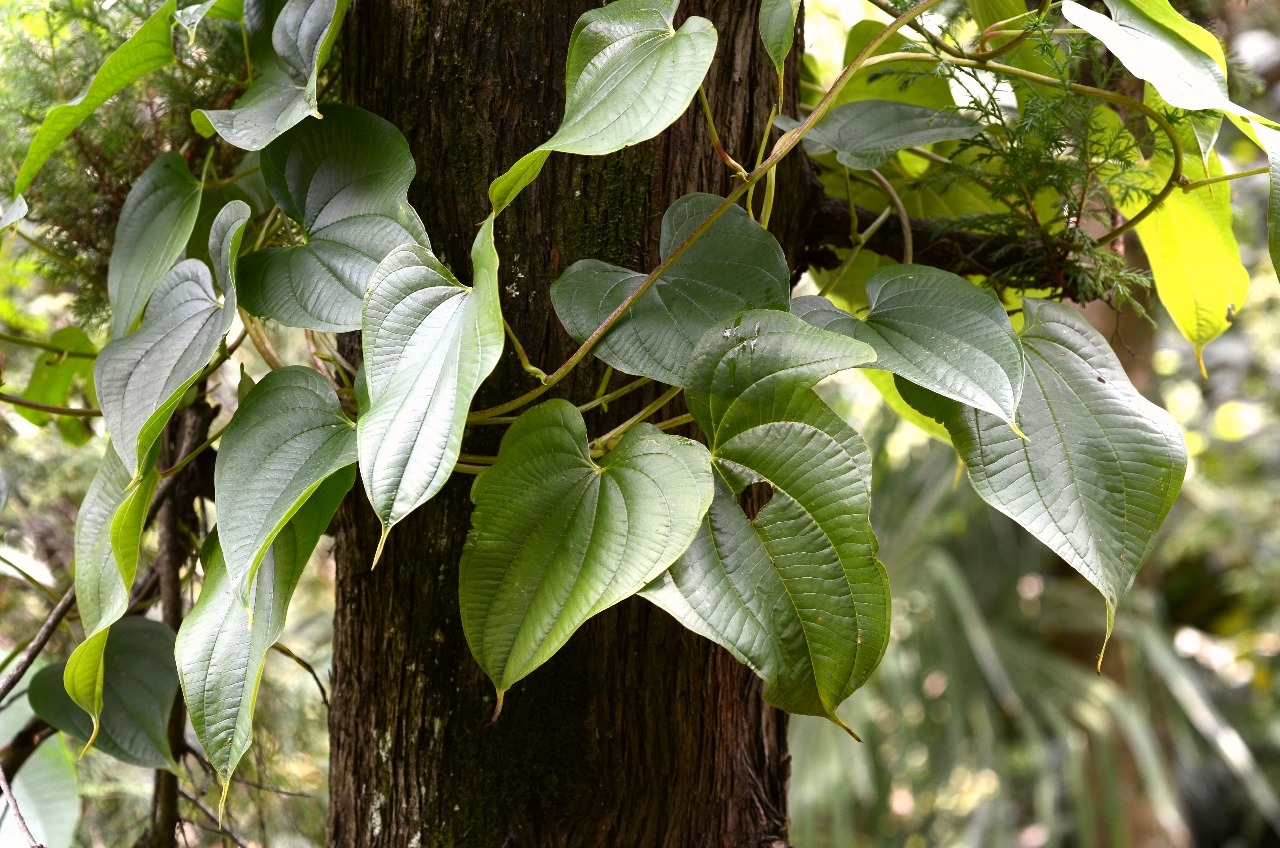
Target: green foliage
column 868, row 133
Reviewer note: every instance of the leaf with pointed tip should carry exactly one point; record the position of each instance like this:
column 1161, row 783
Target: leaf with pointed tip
column 222, row 646
column 284, row 91
column 140, row 682
column 1270, row 140
column 189, row 17
column 288, row 436
column 630, row 74
column 868, row 133
column 429, row 342
column 735, row 266
column 797, row 593
column 937, row 330
column 149, row 48
column 557, row 537
column 1155, row 43
column 55, row 377
column 142, row 377
column 778, row 28
column 13, row 212
column 344, row 181
column 1101, row 465
column 155, row 224
column 107, row 543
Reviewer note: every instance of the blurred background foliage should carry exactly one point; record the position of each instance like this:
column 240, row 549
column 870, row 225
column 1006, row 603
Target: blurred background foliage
column 986, row 724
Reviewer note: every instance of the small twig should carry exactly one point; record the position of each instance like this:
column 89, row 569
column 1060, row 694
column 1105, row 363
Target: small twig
column 531, row 369
column 258, row 335
column 186, row 460
column 1191, row 185
column 17, row 814
column 219, row 827
column 51, row 622
column 908, row 249
column 715, row 136
column 40, row 344
column 607, row 441
column 324, row 696
column 71, row 411
column 678, row 421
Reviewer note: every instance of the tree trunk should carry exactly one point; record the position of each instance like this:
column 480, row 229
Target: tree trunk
column 638, row 733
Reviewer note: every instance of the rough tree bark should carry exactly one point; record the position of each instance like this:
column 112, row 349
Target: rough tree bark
column 638, row 733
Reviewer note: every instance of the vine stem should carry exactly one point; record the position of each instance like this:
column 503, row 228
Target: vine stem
column 71, row 411
column 530, row 369
column 715, row 136
column 195, row 452
column 37, row 643
column 1175, row 173
column 38, row 344
column 908, row 247
column 1189, row 185
column 788, row 142
column 859, row 242
column 610, row 438
column 258, row 335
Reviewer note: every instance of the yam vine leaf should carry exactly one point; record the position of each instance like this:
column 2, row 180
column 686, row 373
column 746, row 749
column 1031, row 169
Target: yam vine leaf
column 142, row 377
column 557, row 536
column 343, row 180
column 937, row 330
column 107, row 545
column 630, row 74
column 778, row 28
column 868, row 133
column 797, row 593
column 155, row 223
column 149, row 48
column 1100, row 466
column 222, row 645
column 736, row 265
column 429, row 342
column 288, row 436
column 140, row 683
column 283, row 92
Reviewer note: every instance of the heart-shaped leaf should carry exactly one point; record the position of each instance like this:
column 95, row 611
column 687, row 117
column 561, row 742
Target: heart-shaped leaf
column 107, row 544
column 344, row 181
column 868, row 133
column 429, row 342
column 797, row 593
column 778, row 28
column 1183, row 61
column 735, row 266
column 142, row 377
column 557, row 537
column 149, row 48
column 630, row 74
column 283, row 92
column 140, row 685
column 288, row 436
column 1100, row 466
column 937, row 330
column 155, row 224
column 222, row 646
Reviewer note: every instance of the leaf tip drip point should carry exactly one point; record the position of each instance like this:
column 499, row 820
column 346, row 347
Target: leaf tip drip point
column 497, row 710
column 1204, row 373
column 222, row 799
column 846, row 728
column 382, row 541
column 1013, row 425
column 1111, row 622
column 93, row 737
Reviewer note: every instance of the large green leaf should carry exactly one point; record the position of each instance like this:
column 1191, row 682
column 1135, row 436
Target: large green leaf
column 55, row 378
column 344, row 181
column 778, row 28
column 222, row 646
column 149, row 48
column 797, row 593
column 557, row 537
column 155, row 224
column 288, row 436
column 903, row 82
column 737, row 265
column 283, row 92
column 140, row 685
column 429, row 342
column 1100, row 465
column 937, row 330
column 142, row 377
column 1183, row 61
column 107, row 544
column 867, row 133
column 630, row 74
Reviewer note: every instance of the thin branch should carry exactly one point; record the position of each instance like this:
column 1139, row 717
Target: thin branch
column 310, row 669
column 51, row 622
column 70, row 411
column 218, row 827
column 17, row 814
column 40, row 344
column 908, row 247
column 1191, row 185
